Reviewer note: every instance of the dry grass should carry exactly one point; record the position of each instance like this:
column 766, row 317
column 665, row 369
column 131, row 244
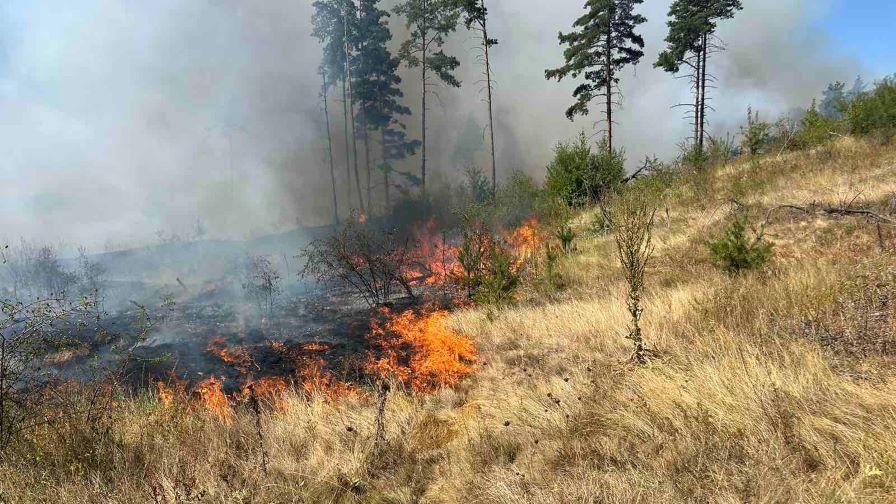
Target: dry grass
column 776, row 386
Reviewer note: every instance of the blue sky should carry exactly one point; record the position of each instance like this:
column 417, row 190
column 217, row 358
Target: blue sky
column 865, row 29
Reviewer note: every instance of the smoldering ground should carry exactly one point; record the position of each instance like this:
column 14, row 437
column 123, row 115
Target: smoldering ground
column 121, row 118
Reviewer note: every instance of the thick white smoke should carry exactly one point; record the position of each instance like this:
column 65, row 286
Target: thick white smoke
column 120, row 118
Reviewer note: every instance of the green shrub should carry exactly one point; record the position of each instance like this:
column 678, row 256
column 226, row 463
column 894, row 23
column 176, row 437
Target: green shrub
column 756, row 134
column 735, row 252
column 579, row 176
column 874, row 112
column 565, row 235
column 720, row 150
column 488, row 270
column 815, row 129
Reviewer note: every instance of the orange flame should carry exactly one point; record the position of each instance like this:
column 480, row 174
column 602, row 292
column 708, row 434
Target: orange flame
column 420, row 351
column 311, row 370
column 175, row 391
column 362, row 219
column 209, row 397
column 526, row 239
column 272, row 390
column 238, row 357
column 436, row 258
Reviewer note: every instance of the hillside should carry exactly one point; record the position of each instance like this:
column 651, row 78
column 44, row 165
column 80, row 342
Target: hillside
column 773, row 386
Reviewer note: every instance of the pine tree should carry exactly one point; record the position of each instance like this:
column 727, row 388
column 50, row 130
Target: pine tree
column 378, row 93
column 691, row 39
column 334, row 24
column 325, row 87
column 476, row 18
column 330, row 31
column 429, row 22
column 604, row 43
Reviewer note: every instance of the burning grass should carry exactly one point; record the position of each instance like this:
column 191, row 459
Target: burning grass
column 749, row 402
column 420, row 351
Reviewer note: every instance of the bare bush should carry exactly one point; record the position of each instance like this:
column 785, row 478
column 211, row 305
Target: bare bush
column 29, row 334
column 370, row 261
column 632, row 217
column 262, row 282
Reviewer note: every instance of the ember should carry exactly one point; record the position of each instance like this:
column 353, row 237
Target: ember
column 419, row 350
column 238, row 357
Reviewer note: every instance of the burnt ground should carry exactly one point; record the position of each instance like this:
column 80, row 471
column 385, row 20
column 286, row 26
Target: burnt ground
column 177, row 342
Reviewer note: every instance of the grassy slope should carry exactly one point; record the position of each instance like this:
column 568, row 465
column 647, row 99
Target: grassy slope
column 772, row 387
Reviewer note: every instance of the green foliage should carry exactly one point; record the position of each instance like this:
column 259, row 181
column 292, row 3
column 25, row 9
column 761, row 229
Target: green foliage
column 608, row 27
column 735, row 252
column 430, row 22
column 518, row 198
column 693, row 156
column 565, row 235
column 720, row 150
column 488, row 269
column 478, row 186
column 756, row 134
column 874, row 112
column 579, row 176
column 815, row 128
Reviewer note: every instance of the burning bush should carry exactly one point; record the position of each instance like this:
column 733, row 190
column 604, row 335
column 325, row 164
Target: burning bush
column 419, row 351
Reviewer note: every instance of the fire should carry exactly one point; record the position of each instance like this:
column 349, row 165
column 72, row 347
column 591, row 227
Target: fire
column 362, row 219
column 526, row 239
column 272, row 390
column 172, row 392
column 420, row 351
column 238, row 357
column 311, row 369
column 435, row 258
column 209, row 396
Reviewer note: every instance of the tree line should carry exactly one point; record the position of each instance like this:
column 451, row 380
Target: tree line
column 359, row 67
column 358, row 64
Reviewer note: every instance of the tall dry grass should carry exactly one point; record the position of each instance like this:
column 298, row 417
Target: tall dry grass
column 775, row 386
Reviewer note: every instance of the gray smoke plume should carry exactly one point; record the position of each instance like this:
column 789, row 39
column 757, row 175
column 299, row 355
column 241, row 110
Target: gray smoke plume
column 123, row 118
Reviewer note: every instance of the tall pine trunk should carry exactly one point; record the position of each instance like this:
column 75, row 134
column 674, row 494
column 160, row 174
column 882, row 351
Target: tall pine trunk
column 703, row 90
column 423, row 134
column 385, row 171
column 609, row 75
column 367, row 166
column 697, row 85
column 348, row 77
column 491, row 120
column 424, row 45
column 330, row 150
column 348, row 157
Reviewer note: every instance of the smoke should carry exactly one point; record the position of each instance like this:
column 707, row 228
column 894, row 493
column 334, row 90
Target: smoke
column 122, row 118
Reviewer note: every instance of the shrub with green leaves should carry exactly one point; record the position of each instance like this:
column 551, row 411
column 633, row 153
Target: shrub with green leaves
column 815, row 128
column 565, row 235
column 578, row 175
column 736, row 252
column 488, row 270
column 756, row 134
column 874, row 111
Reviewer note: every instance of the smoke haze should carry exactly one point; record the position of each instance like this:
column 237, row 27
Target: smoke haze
column 122, row 118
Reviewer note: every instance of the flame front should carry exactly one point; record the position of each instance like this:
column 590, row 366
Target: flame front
column 526, row 239
column 209, row 396
column 420, row 351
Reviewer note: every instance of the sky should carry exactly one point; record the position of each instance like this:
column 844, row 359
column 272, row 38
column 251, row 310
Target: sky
column 866, row 29
column 124, row 119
